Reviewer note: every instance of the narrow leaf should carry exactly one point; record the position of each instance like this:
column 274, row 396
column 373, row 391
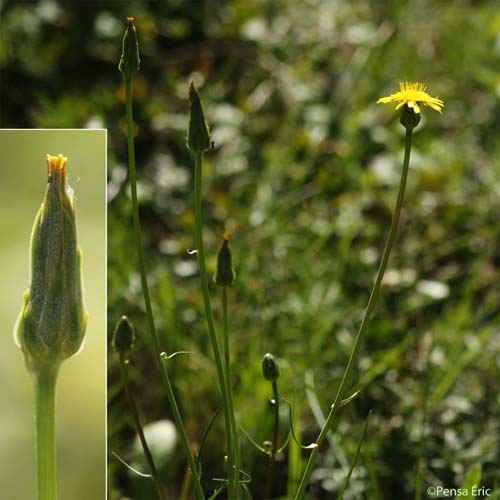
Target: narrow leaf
column 135, row 471
column 353, row 464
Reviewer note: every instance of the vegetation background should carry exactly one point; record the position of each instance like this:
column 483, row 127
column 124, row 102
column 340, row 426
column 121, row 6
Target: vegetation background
column 304, row 174
column 80, row 399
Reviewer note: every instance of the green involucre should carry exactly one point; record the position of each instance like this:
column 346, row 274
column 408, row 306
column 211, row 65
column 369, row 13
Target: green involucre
column 123, row 336
column 198, row 138
column 130, row 61
column 270, row 368
column 51, row 325
column 409, row 119
column 224, row 275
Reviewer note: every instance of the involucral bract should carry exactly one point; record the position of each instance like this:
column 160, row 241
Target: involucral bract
column 51, row 326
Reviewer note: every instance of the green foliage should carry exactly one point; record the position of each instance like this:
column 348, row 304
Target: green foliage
column 304, row 172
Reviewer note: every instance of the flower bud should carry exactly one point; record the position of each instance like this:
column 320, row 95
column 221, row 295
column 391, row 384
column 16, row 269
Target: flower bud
column 129, row 60
column 225, row 274
column 409, row 119
column 270, row 368
column 198, row 138
column 123, row 336
column 52, row 322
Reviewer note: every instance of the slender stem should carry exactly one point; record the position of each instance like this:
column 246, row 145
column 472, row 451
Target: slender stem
column 210, row 322
column 274, row 449
column 227, row 360
column 186, row 486
column 333, row 415
column 426, row 381
column 145, row 291
column 45, row 392
column 140, row 431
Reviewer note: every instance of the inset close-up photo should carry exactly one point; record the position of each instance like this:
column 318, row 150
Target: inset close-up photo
column 53, row 267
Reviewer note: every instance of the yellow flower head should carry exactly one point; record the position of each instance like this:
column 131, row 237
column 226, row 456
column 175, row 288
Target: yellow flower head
column 411, row 94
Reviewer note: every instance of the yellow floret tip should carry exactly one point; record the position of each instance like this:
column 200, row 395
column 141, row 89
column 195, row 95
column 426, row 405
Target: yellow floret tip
column 411, row 93
column 56, row 166
column 56, row 163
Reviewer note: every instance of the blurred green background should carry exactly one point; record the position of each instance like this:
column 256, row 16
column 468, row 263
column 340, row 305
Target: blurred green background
column 304, row 174
column 81, row 403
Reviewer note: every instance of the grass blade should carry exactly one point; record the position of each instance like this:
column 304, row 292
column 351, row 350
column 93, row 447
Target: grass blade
column 353, row 464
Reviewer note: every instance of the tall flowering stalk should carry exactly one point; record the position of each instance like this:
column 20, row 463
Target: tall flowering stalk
column 51, row 325
column 129, row 65
column 224, row 278
column 123, row 342
column 408, row 97
column 198, row 142
column 271, row 372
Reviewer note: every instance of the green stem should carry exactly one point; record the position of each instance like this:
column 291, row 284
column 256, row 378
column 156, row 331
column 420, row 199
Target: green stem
column 210, row 322
column 147, row 300
column 45, row 392
column 333, row 415
column 274, row 449
column 426, row 381
column 227, row 360
column 139, row 429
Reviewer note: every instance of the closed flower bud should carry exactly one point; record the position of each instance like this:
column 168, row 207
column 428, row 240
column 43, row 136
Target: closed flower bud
column 198, row 138
column 123, row 336
column 129, row 60
column 52, row 322
column 409, row 119
column 225, row 274
column 270, row 368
